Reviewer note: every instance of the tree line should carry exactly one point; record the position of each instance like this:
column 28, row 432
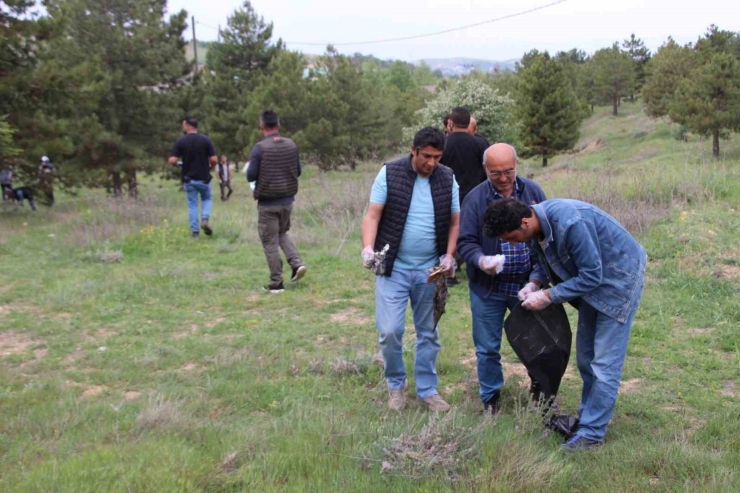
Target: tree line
column 101, row 86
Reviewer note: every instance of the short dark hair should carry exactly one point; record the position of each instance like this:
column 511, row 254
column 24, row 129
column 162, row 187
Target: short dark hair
column 269, row 119
column 429, row 136
column 192, row 121
column 446, row 120
column 504, row 216
column 460, row 117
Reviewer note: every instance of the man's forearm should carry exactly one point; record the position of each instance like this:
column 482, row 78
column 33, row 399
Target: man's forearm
column 369, row 231
column 453, row 235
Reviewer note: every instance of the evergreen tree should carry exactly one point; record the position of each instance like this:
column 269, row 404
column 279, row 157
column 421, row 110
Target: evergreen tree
column 400, row 76
column 640, row 56
column 614, row 75
column 665, row 71
column 119, row 55
column 708, row 100
column 547, row 108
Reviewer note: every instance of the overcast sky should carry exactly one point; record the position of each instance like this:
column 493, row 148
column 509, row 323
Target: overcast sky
column 586, row 24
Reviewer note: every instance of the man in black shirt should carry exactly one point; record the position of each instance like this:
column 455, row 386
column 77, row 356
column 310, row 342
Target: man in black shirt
column 473, row 130
column 463, row 153
column 198, row 156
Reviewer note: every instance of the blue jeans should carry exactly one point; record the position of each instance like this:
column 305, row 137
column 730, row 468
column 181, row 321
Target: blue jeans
column 488, row 324
column 601, row 346
column 193, row 189
column 392, row 294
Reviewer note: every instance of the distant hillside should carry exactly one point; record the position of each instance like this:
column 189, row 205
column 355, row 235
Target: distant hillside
column 462, row 66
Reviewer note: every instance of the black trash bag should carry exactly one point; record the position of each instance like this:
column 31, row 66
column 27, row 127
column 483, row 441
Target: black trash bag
column 541, row 341
column 563, row 424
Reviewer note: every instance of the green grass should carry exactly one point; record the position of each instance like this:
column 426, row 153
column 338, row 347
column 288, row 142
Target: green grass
column 207, row 384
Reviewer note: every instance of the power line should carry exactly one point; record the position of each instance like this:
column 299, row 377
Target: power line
column 206, row 25
column 437, row 33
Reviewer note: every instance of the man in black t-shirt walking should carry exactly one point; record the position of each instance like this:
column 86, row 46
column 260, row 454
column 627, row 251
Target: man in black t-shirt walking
column 464, row 155
column 198, row 156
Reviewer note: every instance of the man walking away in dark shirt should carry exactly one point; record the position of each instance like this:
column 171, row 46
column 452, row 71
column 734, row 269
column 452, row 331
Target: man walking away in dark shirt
column 473, row 130
column 198, row 156
column 275, row 165
column 223, row 171
column 463, row 153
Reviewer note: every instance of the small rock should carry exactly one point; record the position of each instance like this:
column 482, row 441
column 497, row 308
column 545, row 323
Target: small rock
column 102, row 349
column 386, row 467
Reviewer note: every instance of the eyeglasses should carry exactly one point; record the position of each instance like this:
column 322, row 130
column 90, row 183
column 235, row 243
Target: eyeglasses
column 498, row 174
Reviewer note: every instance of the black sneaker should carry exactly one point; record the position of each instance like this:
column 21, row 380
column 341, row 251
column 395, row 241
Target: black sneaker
column 298, row 273
column 578, row 443
column 491, row 407
column 276, row 290
column 206, row 228
column 194, row 234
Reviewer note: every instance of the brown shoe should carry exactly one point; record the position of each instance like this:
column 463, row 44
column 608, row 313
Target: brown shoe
column 396, row 399
column 436, row 403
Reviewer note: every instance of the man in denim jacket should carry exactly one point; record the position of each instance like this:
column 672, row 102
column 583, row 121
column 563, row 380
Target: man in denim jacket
column 594, row 263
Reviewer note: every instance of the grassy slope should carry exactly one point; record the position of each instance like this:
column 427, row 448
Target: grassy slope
column 198, row 363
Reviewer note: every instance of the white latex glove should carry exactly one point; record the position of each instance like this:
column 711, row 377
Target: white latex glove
column 368, row 257
column 529, row 288
column 538, row 300
column 448, row 264
column 492, row 264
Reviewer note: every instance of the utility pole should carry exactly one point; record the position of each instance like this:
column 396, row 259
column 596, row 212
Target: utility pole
column 219, row 33
column 195, row 49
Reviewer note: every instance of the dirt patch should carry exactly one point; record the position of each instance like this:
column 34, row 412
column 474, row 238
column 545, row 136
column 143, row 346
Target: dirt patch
column 630, row 386
column 40, row 353
column 728, row 388
column 92, row 390
column 131, row 395
column 212, row 323
column 731, row 272
column 350, row 316
column 19, row 307
column 16, row 342
column 699, row 331
column 73, row 357
column 190, row 367
column 594, row 145
column 516, row 368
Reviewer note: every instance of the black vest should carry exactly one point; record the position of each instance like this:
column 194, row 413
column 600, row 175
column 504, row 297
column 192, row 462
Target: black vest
column 400, row 178
column 278, row 173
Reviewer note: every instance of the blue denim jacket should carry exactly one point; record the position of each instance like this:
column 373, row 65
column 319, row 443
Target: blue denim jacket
column 596, row 258
column 472, row 244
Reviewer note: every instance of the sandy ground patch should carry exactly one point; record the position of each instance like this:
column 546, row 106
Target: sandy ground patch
column 17, row 342
column 630, row 386
column 349, row 316
column 729, row 388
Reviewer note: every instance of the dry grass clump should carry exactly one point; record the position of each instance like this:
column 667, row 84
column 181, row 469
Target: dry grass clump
column 159, row 413
column 442, row 445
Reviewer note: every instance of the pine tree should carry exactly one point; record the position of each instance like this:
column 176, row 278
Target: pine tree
column 547, row 108
column 708, row 100
column 235, row 65
column 664, row 73
column 118, row 56
column 614, row 75
column 640, row 56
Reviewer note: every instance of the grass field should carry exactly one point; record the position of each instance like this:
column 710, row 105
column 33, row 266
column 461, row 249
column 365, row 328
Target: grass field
column 135, row 359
